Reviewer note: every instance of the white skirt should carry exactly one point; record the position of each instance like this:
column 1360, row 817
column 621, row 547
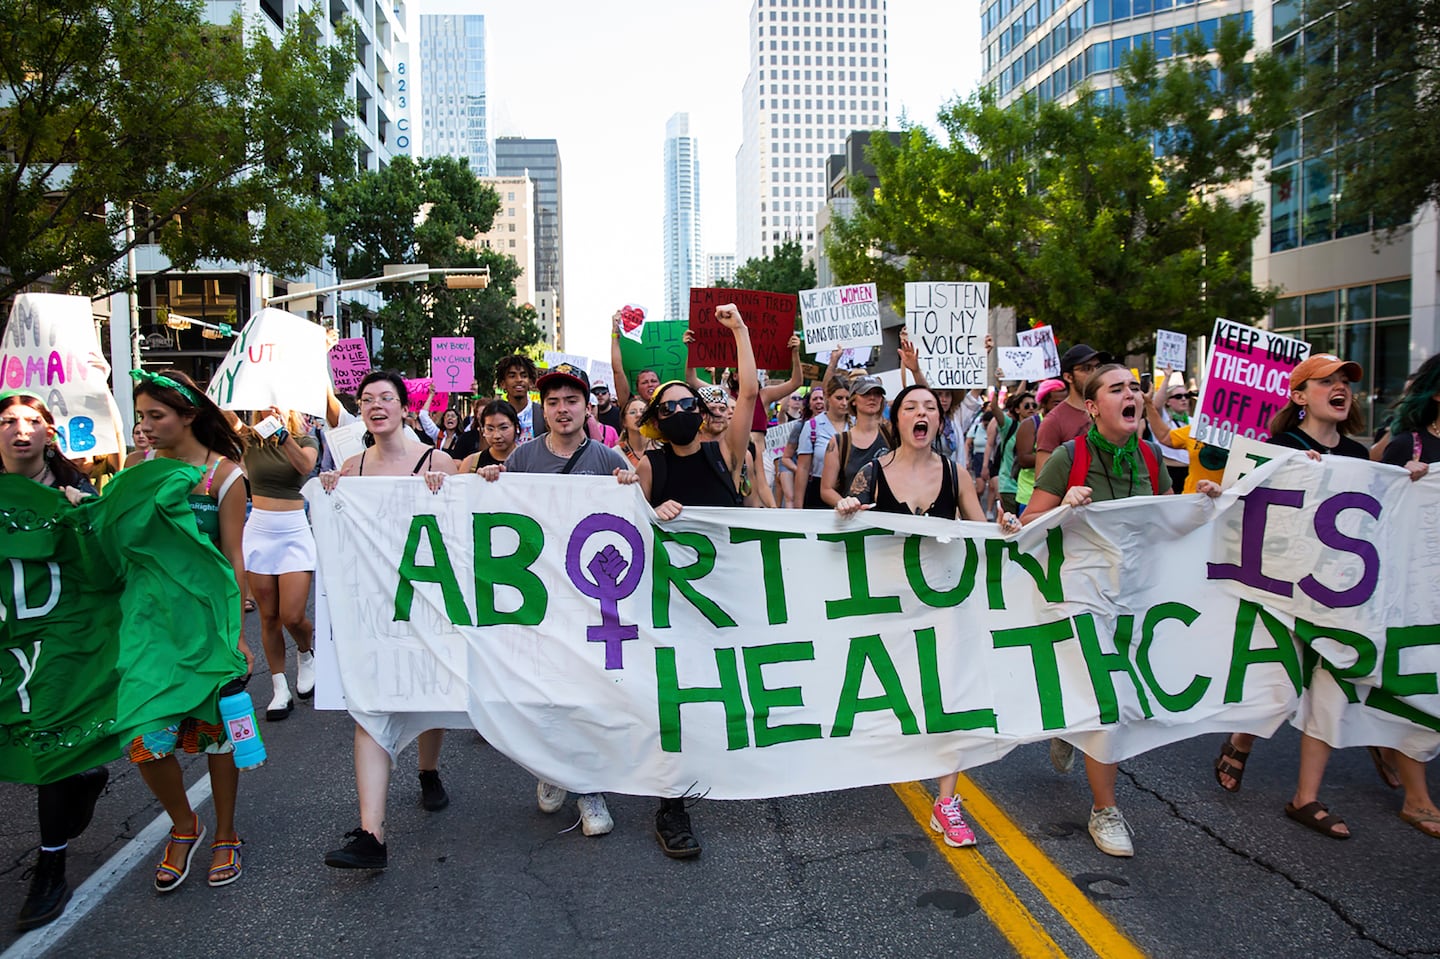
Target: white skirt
column 278, row 541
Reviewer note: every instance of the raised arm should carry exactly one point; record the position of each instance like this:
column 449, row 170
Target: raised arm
column 770, row 394
column 737, row 434
column 617, row 363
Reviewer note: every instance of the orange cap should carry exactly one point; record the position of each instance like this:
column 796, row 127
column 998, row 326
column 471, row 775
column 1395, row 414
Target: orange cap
column 1320, row 365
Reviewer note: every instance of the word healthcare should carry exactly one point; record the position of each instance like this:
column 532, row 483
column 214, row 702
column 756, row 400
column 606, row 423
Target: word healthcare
column 760, row 654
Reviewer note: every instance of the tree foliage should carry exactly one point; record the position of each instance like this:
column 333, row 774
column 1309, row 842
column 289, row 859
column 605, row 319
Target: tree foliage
column 219, row 136
column 416, row 212
column 784, row 271
column 1104, row 219
column 1374, row 83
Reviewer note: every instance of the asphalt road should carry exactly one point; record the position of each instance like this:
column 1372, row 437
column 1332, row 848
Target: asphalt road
column 837, row 874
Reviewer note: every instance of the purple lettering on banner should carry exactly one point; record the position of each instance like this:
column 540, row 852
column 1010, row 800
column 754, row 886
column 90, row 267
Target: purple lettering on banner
column 1252, row 541
column 1327, row 532
column 615, row 578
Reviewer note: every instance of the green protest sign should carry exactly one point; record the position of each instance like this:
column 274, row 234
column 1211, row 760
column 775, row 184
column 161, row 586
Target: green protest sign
column 662, row 349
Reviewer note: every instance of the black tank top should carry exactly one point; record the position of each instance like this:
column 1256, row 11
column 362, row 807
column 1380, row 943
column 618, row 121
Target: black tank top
column 945, row 505
column 700, row 479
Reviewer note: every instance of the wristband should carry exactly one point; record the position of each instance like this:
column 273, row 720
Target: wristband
column 282, row 435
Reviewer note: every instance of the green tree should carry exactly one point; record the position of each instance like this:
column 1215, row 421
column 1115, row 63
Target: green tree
column 220, row 138
column 1106, row 220
column 784, row 271
column 1373, row 82
column 416, row 212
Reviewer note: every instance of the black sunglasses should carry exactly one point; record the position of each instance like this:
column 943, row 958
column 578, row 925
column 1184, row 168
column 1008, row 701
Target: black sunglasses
column 671, row 407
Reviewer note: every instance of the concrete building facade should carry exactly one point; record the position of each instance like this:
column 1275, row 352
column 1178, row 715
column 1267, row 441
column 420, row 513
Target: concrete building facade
column 540, row 161
column 513, row 231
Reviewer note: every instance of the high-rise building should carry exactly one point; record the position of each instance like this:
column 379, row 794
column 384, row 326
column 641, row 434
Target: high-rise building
column 682, row 217
column 1338, row 290
column 513, row 231
column 719, row 268
column 540, row 161
column 452, row 80
column 818, row 70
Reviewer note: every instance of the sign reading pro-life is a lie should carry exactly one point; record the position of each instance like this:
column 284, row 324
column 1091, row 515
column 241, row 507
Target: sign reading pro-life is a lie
column 1247, row 381
column 948, row 323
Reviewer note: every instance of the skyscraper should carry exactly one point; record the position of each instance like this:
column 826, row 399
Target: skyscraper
column 818, row 70
column 540, row 160
column 452, row 77
column 683, row 265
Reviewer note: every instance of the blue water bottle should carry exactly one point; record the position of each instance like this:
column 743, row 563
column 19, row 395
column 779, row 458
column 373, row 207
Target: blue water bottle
column 237, row 715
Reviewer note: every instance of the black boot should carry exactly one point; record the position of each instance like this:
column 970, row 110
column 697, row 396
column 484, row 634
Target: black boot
column 363, row 851
column 49, row 892
column 432, row 792
column 672, row 828
column 84, row 793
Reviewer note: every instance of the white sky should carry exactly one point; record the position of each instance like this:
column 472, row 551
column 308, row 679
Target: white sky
column 602, row 79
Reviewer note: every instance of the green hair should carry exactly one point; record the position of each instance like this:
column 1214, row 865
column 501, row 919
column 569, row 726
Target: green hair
column 1417, row 408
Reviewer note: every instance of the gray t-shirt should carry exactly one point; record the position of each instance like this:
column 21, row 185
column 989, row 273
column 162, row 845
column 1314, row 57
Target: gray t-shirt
column 596, row 459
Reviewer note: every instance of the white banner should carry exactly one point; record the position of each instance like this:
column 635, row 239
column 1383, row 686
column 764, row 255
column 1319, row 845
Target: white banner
column 50, row 348
column 948, row 323
column 279, row 360
column 840, row 316
column 760, row 653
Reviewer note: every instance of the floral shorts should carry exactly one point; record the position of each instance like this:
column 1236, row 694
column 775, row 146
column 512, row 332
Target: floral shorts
column 190, row 735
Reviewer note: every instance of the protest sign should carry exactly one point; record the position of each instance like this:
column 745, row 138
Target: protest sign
column 777, row 436
column 279, row 360
column 346, row 441
column 601, row 373
column 349, row 362
column 418, row 388
column 554, row 359
column 51, row 349
column 901, row 647
column 1022, row 363
column 1247, row 456
column 836, row 316
column 770, row 317
column 632, row 322
column 1044, row 338
column 452, row 363
column 1171, row 350
column 1247, row 381
column 662, row 349
column 852, row 359
column 948, row 323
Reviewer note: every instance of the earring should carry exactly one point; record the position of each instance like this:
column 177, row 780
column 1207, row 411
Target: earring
column 1302, row 414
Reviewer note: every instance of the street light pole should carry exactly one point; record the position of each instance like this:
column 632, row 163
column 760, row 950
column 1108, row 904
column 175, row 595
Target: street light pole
column 479, row 279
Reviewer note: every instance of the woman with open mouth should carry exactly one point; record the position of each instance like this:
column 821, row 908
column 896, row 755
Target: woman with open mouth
column 914, row 480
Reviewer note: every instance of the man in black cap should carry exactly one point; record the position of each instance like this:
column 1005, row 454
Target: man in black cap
column 1069, row 419
column 605, row 409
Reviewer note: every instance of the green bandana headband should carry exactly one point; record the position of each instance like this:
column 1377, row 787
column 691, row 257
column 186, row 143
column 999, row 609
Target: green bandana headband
column 159, row 379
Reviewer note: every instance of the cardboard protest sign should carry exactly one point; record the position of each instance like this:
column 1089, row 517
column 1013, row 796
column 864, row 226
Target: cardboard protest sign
column 777, row 436
column 51, row 349
column 601, row 373
column 1247, row 456
column 835, row 316
column 554, row 358
column 632, row 322
column 1044, row 338
column 279, row 360
column 1171, row 350
column 345, row 441
column 1247, row 381
column 948, row 323
column 770, row 317
column 1021, row 363
column 349, row 362
column 417, row 390
column 452, row 363
column 662, row 349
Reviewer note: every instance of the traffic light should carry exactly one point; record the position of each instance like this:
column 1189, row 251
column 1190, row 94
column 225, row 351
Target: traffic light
column 466, row 281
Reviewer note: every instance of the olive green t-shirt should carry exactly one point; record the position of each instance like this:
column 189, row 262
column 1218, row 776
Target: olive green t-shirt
column 269, row 472
column 1104, row 485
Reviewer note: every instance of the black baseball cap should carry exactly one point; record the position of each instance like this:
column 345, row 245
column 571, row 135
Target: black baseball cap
column 564, row 375
column 1082, row 353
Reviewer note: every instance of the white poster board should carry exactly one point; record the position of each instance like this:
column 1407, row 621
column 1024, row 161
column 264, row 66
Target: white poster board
column 1044, row 338
column 836, row 316
column 1171, row 350
column 948, row 323
column 279, row 360
column 1021, row 363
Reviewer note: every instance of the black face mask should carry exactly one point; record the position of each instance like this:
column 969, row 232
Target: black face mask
column 680, row 427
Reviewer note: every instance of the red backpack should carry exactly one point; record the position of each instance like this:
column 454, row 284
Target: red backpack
column 1080, row 463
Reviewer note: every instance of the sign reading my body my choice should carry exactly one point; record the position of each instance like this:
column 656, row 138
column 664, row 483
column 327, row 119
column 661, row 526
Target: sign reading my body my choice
column 948, row 323
column 1247, row 381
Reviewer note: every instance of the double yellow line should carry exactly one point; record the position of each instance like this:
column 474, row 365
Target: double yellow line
column 1009, row 915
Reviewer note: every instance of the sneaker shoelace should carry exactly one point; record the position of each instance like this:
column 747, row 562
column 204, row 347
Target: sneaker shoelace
column 952, row 814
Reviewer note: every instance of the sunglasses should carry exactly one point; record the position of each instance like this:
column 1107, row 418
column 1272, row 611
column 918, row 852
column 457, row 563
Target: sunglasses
column 1029, row 406
column 671, row 407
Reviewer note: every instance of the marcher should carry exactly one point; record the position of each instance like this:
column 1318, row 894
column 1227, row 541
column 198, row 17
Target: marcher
column 633, row 443
column 815, row 437
column 646, row 381
column 500, row 430
column 515, row 377
column 1069, row 420
column 868, row 438
column 607, row 410
column 1051, row 395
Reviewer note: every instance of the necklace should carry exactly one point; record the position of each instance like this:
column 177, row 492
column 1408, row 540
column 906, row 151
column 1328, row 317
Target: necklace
column 1434, row 429
column 551, row 448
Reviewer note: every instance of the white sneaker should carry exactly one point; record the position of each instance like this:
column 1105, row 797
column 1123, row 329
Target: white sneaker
column 305, row 675
column 549, row 797
column 1062, row 756
column 594, row 817
column 1111, row 832
column 280, row 703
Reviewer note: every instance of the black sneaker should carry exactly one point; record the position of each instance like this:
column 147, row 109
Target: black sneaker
column 672, row 828
column 363, row 851
column 49, row 892
column 432, row 792
column 85, row 792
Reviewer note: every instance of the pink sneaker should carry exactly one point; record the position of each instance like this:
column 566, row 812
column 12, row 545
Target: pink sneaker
column 946, row 819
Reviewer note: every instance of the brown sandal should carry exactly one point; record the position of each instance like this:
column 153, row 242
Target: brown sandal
column 1309, row 816
column 1383, row 769
column 1231, row 763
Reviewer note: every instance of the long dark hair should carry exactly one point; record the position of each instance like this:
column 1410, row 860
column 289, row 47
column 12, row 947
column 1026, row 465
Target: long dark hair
column 209, row 425
column 65, row 472
column 1417, row 408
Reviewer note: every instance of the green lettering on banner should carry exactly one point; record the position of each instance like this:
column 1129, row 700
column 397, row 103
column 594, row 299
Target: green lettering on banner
column 869, row 649
column 859, row 602
column 935, row 598
column 1395, row 684
column 671, row 696
column 1366, row 656
column 937, row 720
column 442, row 573
column 1242, row 656
column 1042, row 640
column 762, row 700
column 771, row 568
column 512, row 570
column 1047, row 580
column 1190, row 695
column 1101, row 665
column 667, row 575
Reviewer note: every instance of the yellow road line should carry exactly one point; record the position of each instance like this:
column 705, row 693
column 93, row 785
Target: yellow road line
column 1074, row 906
column 999, row 902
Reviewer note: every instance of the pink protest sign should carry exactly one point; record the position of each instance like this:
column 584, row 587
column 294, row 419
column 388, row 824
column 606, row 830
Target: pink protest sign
column 1247, row 381
column 417, row 390
column 452, row 363
column 349, row 362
